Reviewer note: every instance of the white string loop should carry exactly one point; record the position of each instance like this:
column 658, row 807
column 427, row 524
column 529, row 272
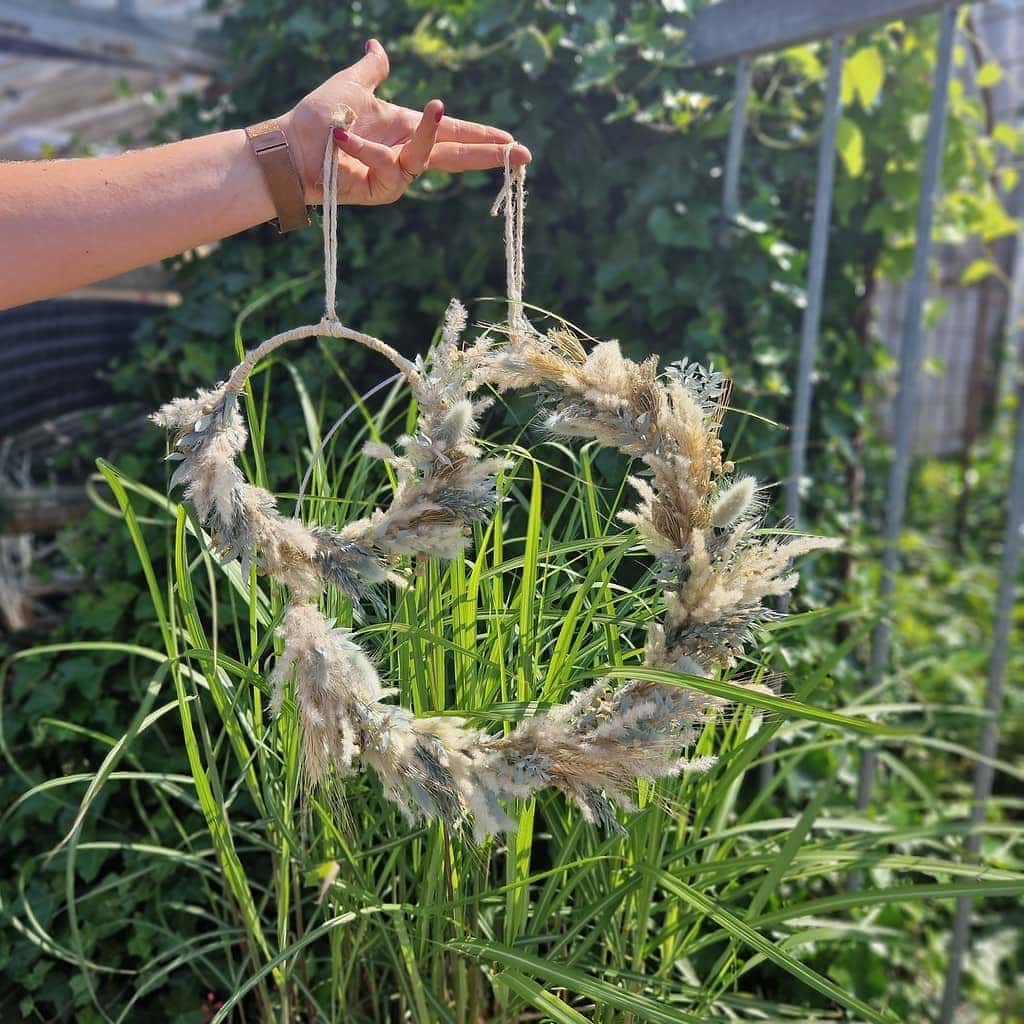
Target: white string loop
column 512, row 198
column 330, row 228
column 330, row 326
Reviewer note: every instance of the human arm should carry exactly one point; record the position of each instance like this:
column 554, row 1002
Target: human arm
column 66, row 223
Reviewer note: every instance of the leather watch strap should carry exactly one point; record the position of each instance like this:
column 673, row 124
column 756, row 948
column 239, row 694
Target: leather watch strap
column 271, row 148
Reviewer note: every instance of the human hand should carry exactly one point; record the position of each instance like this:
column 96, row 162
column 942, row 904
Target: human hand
column 388, row 146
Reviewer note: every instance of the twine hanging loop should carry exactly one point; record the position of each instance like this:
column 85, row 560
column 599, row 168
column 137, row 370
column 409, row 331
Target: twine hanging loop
column 512, row 199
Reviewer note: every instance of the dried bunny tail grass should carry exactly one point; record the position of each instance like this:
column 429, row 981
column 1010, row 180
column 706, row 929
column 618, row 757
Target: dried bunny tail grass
column 715, row 567
column 428, row 767
column 345, row 724
column 592, row 749
column 736, row 502
column 208, row 435
column 183, row 412
column 700, row 532
column 445, row 485
column 455, row 319
column 739, row 576
column 242, row 520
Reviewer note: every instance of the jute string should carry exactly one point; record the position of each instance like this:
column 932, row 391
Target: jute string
column 330, row 228
column 330, row 326
column 512, row 198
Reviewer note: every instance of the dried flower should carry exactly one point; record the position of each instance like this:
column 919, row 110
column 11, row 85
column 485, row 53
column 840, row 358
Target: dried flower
column 734, row 503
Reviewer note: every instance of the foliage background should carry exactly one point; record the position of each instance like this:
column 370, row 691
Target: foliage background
column 624, row 238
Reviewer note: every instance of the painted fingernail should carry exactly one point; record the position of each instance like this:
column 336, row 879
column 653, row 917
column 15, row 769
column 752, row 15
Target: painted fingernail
column 340, row 135
column 366, row 48
column 439, row 114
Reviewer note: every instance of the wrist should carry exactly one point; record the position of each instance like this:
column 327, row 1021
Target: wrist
column 306, row 135
column 274, row 153
column 257, row 187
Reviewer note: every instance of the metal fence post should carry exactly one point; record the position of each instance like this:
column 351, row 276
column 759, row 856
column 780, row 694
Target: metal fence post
column 1009, row 567
column 910, row 360
column 817, row 261
column 815, row 280
column 737, row 129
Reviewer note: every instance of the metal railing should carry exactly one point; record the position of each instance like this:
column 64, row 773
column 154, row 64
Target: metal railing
column 728, row 31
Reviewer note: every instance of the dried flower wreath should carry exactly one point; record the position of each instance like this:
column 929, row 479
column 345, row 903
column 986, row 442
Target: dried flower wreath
column 716, row 568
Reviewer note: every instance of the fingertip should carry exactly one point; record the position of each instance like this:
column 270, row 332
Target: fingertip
column 433, row 112
column 520, row 155
column 375, row 47
column 349, row 143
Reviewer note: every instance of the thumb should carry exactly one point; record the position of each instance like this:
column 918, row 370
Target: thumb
column 373, row 67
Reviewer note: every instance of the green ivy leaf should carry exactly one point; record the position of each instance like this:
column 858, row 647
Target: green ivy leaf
column 533, row 51
column 1007, row 135
column 863, row 74
column 850, row 144
column 976, row 271
column 996, row 222
column 989, row 74
column 804, row 60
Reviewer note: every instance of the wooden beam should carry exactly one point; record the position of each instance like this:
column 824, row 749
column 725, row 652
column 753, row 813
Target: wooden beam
column 733, row 28
column 48, row 28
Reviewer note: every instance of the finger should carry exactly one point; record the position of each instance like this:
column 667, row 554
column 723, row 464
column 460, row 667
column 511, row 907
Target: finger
column 373, row 67
column 457, row 156
column 373, row 154
column 356, row 184
column 412, row 159
column 454, row 129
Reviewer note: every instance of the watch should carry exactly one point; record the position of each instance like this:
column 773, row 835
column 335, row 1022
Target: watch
column 270, row 145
